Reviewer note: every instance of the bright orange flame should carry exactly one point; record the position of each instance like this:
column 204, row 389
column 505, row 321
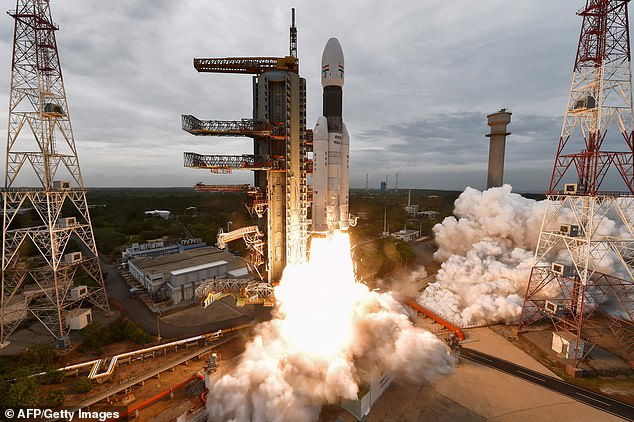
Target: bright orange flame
column 326, row 327
column 316, row 299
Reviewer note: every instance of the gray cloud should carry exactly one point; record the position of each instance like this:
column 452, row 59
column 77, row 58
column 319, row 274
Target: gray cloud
column 421, row 77
column 452, row 144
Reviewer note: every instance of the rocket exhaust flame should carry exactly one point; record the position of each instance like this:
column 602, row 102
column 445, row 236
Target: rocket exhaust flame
column 325, row 323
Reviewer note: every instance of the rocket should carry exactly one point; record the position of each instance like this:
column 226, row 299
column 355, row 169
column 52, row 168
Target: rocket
column 331, row 148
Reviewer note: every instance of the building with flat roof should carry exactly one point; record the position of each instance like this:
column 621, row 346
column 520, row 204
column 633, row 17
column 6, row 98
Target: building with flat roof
column 159, row 213
column 429, row 215
column 406, row 235
column 158, row 248
column 176, row 276
column 411, row 210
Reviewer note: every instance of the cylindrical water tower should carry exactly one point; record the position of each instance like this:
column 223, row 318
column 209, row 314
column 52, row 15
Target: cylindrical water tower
column 498, row 122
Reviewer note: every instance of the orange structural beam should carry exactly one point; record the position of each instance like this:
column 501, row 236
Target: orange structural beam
column 201, row 187
column 442, row 321
column 159, row 396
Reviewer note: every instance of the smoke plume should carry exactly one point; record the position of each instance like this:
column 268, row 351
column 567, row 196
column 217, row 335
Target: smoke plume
column 326, row 327
column 487, row 253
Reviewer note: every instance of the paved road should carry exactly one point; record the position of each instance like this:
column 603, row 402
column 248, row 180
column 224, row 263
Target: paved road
column 118, row 290
column 579, row 394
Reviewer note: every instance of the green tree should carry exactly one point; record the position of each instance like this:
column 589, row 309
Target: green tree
column 22, row 393
column 406, row 253
column 53, row 377
column 82, row 385
column 55, row 398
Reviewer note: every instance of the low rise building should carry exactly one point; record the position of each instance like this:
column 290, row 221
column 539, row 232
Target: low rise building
column 374, row 382
column 411, row 210
column 405, row 235
column 159, row 213
column 159, row 248
column 429, row 215
column 175, row 277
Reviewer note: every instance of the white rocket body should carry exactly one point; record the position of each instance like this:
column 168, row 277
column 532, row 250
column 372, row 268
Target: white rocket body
column 331, row 147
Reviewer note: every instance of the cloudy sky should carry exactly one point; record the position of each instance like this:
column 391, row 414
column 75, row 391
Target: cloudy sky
column 421, row 76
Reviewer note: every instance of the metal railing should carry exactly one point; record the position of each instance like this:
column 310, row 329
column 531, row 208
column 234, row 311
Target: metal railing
column 231, row 162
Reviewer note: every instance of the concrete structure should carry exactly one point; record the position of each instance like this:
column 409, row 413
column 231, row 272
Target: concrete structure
column 285, row 224
column 138, row 250
column 498, row 122
column 477, row 393
column 429, row 215
column 373, row 383
column 405, row 235
column 279, row 195
column 411, row 210
column 176, row 276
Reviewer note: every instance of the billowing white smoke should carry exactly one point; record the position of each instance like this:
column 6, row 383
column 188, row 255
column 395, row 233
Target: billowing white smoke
column 402, row 285
column 326, row 326
column 496, row 215
column 487, row 256
column 488, row 252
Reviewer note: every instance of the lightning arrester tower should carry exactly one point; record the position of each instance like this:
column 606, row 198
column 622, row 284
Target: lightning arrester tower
column 583, row 278
column 39, row 262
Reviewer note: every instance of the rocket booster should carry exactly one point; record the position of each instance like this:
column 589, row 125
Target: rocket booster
column 331, row 148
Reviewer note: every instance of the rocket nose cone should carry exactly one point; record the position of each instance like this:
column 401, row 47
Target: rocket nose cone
column 332, row 64
column 332, row 50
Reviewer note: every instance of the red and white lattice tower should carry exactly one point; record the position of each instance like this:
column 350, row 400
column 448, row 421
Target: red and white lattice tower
column 583, row 278
column 45, row 274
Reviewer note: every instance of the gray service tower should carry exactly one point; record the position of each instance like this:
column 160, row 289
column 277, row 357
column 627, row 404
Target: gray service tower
column 498, row 122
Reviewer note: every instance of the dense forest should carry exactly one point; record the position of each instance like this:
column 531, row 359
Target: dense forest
column 119, row 219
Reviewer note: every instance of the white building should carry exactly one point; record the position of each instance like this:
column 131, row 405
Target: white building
column 565, row 343
column 78, row 318
column 138, row 250
column 373, row 383
column 405, row 235
column 411, row 210
column 176, row 276
column 159, row 213
column 429, row 215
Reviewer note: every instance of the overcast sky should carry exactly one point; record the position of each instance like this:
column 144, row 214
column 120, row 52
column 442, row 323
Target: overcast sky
column 421, row 76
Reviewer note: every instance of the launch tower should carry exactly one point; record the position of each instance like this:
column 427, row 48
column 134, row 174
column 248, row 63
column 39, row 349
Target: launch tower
column 40, row 263
column 583, row 278
column 279, row 194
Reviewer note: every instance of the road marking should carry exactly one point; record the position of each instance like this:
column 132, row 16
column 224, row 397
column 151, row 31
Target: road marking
column 592, row 398
column 531, row 375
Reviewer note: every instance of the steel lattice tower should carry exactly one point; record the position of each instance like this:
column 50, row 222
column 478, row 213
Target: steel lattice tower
column 41, row 149
column 583, row 278
column 279, row 196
